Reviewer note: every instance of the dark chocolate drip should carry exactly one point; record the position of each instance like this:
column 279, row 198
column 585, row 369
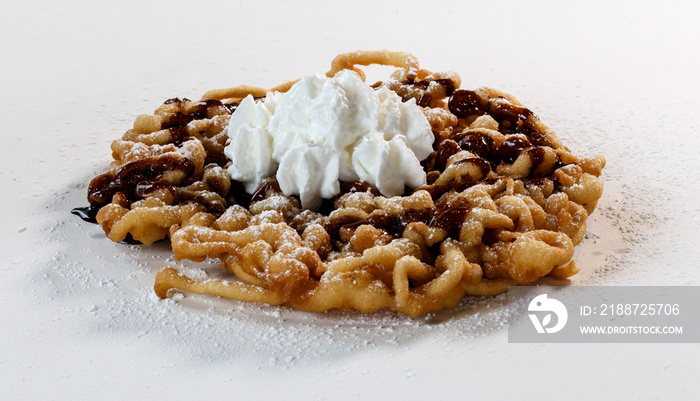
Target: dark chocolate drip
column 177, row 120
column 333, row 226
column 142, row 172
column 448, row 84
column 129, row 240
column 239, row 193
column 537, row 156
column 445, row 150
column 511, row 148
column 465, row 103
column 201, row 108
column 144, row 188
column 481, row 164
column 261, row 192
column 509, row 114
column 478, row 143
column 357, row 186
column 87, row 213
column 449, row 219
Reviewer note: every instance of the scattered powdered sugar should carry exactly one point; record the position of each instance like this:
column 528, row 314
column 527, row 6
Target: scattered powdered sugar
column 211, row 330
column 108, row 287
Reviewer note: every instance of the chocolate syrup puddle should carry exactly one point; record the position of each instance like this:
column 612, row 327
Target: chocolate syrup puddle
column 87, row 213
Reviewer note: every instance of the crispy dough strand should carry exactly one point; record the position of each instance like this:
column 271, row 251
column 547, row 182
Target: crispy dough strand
column 169, row 278
column 406, row 62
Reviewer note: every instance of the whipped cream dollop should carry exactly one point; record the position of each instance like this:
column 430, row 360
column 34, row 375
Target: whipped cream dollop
column 326, row 130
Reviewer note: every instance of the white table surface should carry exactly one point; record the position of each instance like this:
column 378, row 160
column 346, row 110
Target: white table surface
column 78, row 316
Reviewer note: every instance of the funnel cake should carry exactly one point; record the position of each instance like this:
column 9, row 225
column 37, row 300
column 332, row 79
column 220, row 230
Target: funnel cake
column 504, row 204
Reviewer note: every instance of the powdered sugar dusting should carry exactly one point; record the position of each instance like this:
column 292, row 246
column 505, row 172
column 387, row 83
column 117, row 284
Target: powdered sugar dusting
column 208, row 329
column 87, row 265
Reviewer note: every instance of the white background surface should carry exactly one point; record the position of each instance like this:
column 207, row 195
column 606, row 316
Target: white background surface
column 78, row 318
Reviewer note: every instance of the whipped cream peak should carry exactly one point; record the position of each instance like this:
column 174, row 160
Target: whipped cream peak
column 325, row 130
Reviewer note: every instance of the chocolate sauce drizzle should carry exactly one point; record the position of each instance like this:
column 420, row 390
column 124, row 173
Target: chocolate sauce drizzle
column 87, row 213
column 136, row 180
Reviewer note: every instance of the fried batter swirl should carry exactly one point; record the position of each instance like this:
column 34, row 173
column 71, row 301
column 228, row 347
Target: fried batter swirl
column 505, row 204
